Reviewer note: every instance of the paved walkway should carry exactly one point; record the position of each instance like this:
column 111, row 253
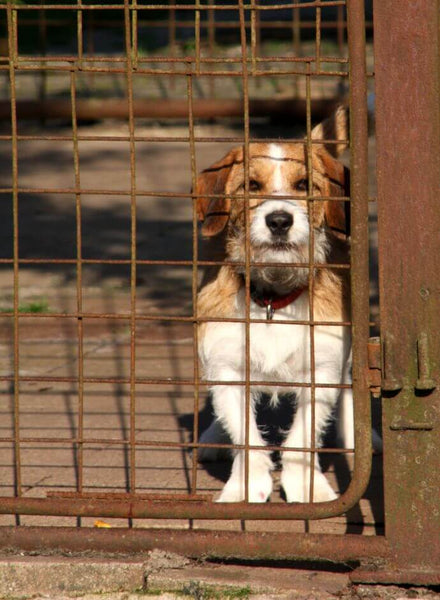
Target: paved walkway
column 167, row 576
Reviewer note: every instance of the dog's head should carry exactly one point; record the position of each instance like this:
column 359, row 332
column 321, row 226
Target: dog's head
column 279, row 227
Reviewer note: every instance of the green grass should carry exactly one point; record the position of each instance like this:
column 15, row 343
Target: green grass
column 37, row 306
column 201, row 591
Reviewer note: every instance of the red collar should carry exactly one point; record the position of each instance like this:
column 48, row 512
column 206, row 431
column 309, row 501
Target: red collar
column 274, row 302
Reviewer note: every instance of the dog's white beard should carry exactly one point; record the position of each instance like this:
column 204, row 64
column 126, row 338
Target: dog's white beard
column 280, row 279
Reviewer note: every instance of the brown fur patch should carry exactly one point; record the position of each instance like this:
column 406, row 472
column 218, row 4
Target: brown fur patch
column 332, row 287
column 216, row 299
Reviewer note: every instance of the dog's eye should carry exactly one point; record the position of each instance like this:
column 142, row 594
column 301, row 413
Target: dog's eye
column 301, row 185
column 254, row 186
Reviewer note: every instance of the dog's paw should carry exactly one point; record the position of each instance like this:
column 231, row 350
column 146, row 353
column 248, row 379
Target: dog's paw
column 295, row 481
column 260, row 488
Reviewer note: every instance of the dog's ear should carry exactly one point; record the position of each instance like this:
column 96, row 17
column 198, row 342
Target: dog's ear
column 336, row 212
column 335, row 129
column 214, row 212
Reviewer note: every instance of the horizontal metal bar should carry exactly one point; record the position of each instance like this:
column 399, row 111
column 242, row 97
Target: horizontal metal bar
column 265, row 25
column 80, row 67
column 142, row 509
column 172, row 381
column 153, row 497
column 184, row 60
column 196, row 543
column 158, row 194
column 165, row 318
column 168, row 445
column 174, row 319
column 160, row 139
column 169, row 263
column 199, row 7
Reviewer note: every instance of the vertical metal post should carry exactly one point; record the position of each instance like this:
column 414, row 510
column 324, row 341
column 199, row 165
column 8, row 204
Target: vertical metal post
column 211, row 45
column 408, row 176
column 172, row 40
column 13, row 53
column 79, row 447
column 359, row 234
column 195, row 270
column 42, row 40
column 131, row 487
column 246, row 153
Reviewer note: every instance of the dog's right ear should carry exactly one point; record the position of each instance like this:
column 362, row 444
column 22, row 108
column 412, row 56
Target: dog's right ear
column 214, row 212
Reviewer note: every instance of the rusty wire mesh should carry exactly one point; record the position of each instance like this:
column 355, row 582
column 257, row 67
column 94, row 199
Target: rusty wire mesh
column 205, row 76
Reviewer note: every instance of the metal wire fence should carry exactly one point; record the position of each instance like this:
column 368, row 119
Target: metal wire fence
column 114, row 461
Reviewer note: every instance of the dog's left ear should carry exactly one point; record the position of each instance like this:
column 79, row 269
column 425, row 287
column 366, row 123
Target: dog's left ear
column 335, row 129
column 334, row 134
column 337, row 212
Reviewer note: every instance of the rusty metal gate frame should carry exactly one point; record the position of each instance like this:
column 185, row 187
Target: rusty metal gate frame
column 393, row 548
column 198, row 508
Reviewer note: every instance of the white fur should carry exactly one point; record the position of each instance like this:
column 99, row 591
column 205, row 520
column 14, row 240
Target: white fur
column 277, row 153
column 278, row 353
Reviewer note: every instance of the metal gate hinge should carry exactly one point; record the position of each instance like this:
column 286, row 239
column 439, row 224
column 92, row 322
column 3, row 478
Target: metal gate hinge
column 390, row 382
column 425, row 382
column 374, row 366
column 381, row 375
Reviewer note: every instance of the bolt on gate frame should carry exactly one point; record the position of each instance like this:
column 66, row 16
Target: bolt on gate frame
column 406, row 367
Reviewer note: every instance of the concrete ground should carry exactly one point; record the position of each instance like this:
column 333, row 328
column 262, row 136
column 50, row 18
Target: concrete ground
column 167, row 576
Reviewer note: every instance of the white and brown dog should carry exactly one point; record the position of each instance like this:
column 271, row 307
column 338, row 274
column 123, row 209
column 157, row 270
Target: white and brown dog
column 281, row 230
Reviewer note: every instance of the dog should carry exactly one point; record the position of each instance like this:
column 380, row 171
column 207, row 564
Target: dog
column 284, row 228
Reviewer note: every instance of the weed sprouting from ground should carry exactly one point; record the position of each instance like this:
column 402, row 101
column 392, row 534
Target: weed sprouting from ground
column 201, row 591
column 37, row 306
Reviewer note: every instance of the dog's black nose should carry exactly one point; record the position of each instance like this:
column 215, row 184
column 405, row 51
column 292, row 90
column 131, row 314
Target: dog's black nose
column 279, row 222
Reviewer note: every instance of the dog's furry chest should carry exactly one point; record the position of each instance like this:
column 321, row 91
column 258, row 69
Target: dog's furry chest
column 276, row 349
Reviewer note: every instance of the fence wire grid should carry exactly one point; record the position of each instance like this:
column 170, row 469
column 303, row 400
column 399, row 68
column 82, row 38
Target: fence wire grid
column 108, row 114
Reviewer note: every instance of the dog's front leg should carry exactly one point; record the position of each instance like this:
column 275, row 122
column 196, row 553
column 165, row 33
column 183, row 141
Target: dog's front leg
column 230, row 406
column 297, row 466
column 345, row 420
